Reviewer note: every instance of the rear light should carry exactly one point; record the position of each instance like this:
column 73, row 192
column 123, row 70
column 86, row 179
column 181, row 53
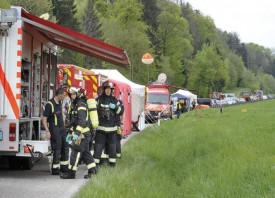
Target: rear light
column 28, row 148
column 12, row 135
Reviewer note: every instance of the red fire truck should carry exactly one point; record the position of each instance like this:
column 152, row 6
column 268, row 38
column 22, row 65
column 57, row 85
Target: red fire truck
column 80, row 77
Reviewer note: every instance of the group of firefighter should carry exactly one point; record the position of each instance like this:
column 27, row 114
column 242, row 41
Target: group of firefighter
column 93, row 123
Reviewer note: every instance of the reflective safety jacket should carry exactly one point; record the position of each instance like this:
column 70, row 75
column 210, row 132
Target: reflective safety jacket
column 53, row 111
column 107, row 117
column 79, row 116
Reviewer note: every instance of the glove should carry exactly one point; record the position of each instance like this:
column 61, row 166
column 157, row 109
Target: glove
column 118, row 130
column 78, row 140
column 75, row 136
column 69, row 138
column 112, row 106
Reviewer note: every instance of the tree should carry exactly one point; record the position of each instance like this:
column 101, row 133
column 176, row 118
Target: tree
column 208, row 73
column 250, row 80
column 259, row 58
column 5, row 4
column 175, row 41
column 123, row 27
column 36, row 7
column 150, row 16
column 91, row 27
column 65, row 10
column 202, row 27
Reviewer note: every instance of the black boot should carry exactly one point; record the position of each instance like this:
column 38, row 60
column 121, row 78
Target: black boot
column 92, row 171
column 68, row 175
column 103, row 161
column 64, row 169
column 112, row 164
column 55, row 171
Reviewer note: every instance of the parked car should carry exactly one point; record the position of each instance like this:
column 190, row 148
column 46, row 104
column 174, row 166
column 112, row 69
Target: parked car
column 265, row 97
column 242, row 100
column 230, row 101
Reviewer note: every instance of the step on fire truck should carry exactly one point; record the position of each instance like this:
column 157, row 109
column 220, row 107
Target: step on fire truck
column 28, row 78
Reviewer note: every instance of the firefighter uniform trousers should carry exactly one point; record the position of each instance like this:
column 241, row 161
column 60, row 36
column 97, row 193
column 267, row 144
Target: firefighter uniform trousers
column 60, row 148
column 82, row 151
column 101, row 138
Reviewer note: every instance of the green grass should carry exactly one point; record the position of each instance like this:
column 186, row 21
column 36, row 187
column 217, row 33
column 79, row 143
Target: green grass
column 203, row 154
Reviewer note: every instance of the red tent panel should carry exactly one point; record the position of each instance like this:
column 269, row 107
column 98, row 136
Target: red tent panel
column 122, row 92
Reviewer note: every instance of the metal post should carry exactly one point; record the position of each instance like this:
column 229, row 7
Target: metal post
column 148, row 72
column 159, row 119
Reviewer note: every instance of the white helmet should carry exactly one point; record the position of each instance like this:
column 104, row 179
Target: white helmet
column 73, row 89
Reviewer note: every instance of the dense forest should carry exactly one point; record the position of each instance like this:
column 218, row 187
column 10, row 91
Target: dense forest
column 185, row 43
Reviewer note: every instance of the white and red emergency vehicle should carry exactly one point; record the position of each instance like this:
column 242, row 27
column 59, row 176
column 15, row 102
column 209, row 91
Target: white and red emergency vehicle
column 28, row 78
column 158, row 100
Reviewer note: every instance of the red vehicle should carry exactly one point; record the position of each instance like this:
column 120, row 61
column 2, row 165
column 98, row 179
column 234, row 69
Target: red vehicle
column 80, row 77
column 158, row 102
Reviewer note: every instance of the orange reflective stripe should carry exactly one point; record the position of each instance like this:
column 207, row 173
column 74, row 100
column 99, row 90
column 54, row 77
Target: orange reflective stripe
column 9, row 93
column 19, row 53
column 18, row 63
column 18, row 74
column 19, row 31
column 19, row 42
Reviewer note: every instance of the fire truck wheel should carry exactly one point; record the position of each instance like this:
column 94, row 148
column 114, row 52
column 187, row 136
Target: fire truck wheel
column 14, row 163
column 27, row 163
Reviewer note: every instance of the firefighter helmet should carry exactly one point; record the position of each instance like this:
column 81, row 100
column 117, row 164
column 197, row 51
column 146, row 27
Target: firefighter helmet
column 73, row 89
column 107, row 84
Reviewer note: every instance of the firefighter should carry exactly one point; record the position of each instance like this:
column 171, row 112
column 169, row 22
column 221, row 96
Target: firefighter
column 105, row 154
column 56, row 132
column 107, row 130
column 180, row 106
column 80, row 135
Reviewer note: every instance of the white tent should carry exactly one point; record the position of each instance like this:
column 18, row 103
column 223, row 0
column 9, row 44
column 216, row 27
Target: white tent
column 188, row 94
column 138, row 94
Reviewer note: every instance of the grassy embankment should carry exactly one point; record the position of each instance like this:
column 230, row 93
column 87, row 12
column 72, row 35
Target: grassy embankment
column 203, row 154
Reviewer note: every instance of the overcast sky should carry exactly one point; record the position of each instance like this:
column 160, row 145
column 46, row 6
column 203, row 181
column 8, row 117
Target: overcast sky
column 252, row 20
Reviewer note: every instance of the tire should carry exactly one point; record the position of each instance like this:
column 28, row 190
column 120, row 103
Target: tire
column 27, row 163
column 14, row 163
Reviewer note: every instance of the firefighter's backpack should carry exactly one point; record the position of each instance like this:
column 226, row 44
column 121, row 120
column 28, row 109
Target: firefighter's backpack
column 93, row 116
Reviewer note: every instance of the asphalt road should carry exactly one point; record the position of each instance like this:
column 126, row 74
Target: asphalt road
column 39, row 182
